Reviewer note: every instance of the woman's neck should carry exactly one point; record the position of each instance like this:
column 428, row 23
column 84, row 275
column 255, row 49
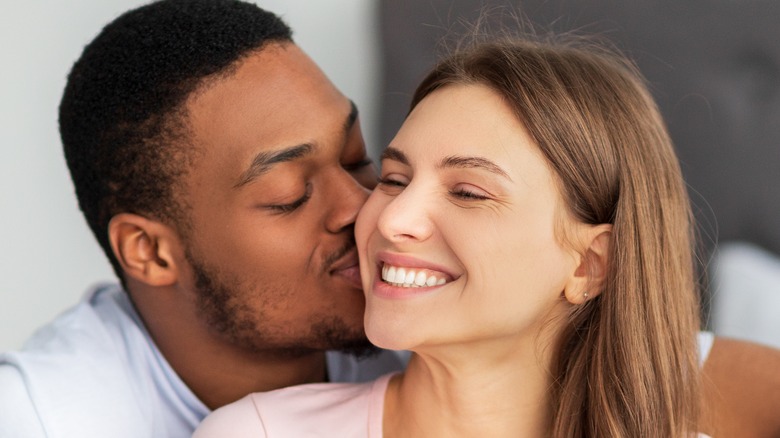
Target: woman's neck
column 466, row 391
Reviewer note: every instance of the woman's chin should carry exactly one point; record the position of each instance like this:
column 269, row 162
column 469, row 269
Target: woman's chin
column 388, row 337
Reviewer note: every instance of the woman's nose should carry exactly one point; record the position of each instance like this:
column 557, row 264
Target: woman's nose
column 408, row 216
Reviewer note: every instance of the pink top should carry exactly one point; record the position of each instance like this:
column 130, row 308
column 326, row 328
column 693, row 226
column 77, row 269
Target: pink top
column 344, row 410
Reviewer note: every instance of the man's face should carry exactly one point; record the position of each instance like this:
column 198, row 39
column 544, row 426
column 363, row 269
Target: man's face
column 279, row 174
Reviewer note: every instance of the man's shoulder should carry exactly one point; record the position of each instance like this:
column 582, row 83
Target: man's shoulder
column 18, row 416
column 78, row 338
column 60, row 400
column 72, row 375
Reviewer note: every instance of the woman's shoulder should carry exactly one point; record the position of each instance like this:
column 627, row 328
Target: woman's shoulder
column 236, row 420
column 304, row 410
column 312, row 399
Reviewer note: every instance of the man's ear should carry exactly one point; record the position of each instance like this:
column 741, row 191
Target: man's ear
column 144, row 248
column 588, row 279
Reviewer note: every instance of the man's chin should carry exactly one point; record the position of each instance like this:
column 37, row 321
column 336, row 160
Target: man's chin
column 350, row 341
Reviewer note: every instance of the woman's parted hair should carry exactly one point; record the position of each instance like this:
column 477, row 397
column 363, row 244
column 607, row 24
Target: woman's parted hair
column 627, row 363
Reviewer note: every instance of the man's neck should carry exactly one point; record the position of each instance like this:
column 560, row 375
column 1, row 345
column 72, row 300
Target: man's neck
column 219, row 380
column 217, row 372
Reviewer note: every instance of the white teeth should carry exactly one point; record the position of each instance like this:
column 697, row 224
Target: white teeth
column 420, row 278
column 404, row 277
column 400, row 276
column 390, row 275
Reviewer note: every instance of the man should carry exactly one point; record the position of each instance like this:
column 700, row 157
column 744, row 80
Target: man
column 221, row 172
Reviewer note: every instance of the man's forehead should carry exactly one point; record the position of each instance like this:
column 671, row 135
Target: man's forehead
column 274, row 100
column 275, row 64
column 276, row 91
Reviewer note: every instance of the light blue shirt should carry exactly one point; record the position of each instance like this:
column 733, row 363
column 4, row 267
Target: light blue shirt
column 95, row 372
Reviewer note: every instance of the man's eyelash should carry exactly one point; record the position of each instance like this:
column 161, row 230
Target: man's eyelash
column 288, row 208
column 360, row 164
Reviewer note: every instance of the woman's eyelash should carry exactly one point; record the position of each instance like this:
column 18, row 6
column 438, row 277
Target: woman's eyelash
column 465, row 194
column 390, row 182
column 288, row 208
column 458, row 193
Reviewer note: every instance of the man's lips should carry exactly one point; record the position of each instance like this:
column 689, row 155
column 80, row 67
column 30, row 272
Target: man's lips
column 348, row 267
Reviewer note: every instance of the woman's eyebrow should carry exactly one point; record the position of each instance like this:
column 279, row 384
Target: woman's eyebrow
column 391, row 153
column 471, row 162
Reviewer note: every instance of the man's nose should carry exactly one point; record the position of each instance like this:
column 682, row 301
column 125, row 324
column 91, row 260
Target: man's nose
column 346, row 200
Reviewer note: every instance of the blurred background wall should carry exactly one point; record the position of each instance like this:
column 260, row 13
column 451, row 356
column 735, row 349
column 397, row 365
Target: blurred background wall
column 713, row 66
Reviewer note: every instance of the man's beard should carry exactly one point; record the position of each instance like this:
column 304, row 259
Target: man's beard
column 220, row 302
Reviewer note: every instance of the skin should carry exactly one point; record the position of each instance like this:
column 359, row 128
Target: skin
column 741, row 386
column 249, row 322
column 465, row 195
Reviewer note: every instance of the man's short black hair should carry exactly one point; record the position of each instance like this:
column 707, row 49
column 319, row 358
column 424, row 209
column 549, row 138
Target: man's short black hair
column 121, row 116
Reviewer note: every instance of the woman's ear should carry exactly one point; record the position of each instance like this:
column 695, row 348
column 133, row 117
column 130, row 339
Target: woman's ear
column 588, row 279
column 144, row 248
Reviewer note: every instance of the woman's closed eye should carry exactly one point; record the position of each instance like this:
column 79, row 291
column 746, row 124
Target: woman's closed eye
column 468, row 192
column 467, row 195
column 392, row 183
column 463, row 192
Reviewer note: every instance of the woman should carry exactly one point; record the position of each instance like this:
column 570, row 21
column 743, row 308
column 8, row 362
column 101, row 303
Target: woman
column 530, row 242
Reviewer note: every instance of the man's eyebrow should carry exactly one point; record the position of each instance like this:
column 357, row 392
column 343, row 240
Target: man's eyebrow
column 462, row 162
column 264, row 161
column 391, row 153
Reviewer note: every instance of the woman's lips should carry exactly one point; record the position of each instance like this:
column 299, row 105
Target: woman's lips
column 400, row 276
column 412, row 277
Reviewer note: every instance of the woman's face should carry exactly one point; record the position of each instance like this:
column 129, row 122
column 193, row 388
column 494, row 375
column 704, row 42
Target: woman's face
column 458, row 241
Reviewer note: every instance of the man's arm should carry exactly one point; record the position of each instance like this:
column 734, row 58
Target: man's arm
column 741, row 390
column 18, row 417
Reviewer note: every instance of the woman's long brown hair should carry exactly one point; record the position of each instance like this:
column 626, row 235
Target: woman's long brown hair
column 627, row 360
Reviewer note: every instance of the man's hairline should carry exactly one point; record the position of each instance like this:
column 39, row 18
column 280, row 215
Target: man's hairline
column 209, row 81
